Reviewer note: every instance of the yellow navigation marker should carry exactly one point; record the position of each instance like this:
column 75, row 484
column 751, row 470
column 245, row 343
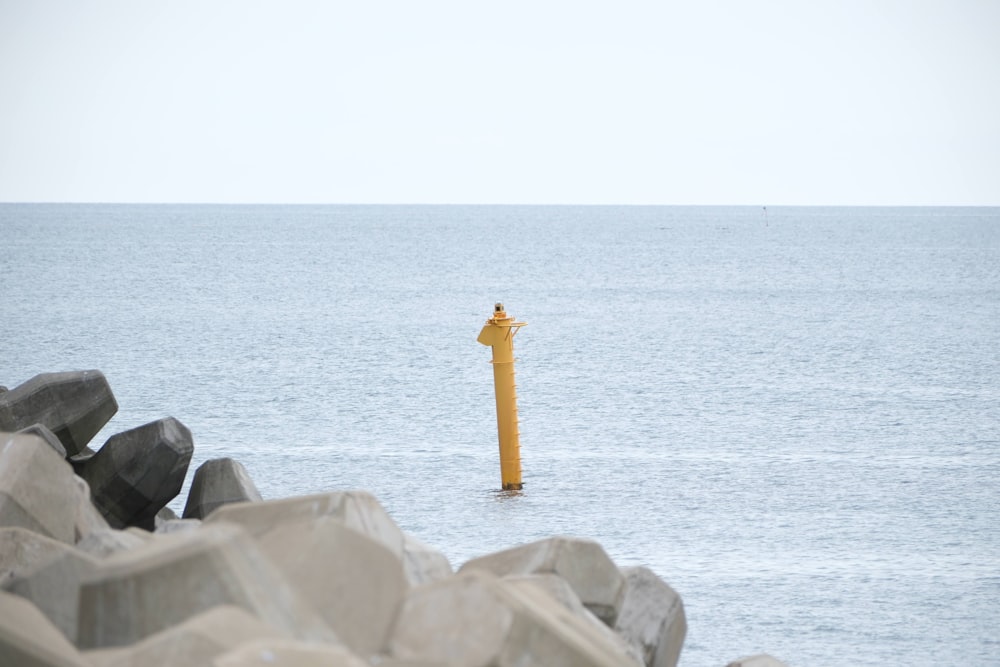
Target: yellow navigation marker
column 498, row 333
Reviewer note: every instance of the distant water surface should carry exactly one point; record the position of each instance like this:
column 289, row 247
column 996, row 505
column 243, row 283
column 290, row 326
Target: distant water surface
column 793, row 417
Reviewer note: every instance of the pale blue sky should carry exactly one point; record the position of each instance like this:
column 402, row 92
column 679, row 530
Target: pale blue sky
column 624, row 102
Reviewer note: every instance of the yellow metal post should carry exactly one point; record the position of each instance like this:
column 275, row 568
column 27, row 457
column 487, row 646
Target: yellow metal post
column 498, row 333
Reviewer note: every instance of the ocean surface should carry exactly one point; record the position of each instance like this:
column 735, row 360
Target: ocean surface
column 791, row 415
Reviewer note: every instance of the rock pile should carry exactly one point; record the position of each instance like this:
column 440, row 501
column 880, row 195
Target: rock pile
column 95, row 572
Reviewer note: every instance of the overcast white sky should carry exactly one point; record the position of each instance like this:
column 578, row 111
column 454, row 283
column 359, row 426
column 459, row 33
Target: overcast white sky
column 619, row 102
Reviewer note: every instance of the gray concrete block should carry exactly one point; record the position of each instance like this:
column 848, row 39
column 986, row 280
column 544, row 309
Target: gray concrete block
column 28, row 639
column 137, row 593
column 176, row 526
column 583, row 563
column 48, row 436
column 86, row 518
column 219, row 482
column 423, row 563
column 36, row 487
column 103, row 543
column 196, row 641
column 476, row 620
column 652, row 617
column 288, row 653
column 23, row 550
column 137, row 472
column 74, row 405
column 359, row 510
column 355, row 582
column 54, row 587
column 560, row 591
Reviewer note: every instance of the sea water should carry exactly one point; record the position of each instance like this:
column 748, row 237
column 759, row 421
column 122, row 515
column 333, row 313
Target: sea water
column 791, row 415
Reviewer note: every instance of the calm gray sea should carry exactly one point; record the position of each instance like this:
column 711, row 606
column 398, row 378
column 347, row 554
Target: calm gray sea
column 792, row 416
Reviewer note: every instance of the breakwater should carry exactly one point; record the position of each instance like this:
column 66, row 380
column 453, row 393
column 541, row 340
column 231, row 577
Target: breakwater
column 96, row 570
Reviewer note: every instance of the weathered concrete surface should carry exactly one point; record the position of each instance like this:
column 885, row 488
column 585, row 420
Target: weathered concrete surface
column 196, row 641
column 74, row 405
column 357, row 509
column 137, row 472
column 86, row 518
column 423, row 563
column 288, row 653
column 140, row 592
column 176, row 526
column 652, row 617
column 23, row 550
column 36, row 487
column 219, row 482
column 476, row 620
column 103, row 543
column 760, row 660
column 54, row 587
column 47, row 435
column 355, row 582
column 560, row 591
column 583, row 563
column 28, row 639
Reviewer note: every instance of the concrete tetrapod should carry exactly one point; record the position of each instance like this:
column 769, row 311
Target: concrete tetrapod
column 652, row 617
column 28, row 639
column 359, row 510
column 219, row 482
column 23, row 550
column 353, row 581
column 87, row 518
column 423, row 563
column 74, row 405
column 37, row 491
column 142, row 591
column 196, row 641
column 137, row 472
column 54, row 587
column 475, row 619
column 48, row 436
column 583, row 563
column 557, row 588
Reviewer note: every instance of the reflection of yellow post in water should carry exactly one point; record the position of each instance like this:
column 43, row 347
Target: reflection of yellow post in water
column 498, row 333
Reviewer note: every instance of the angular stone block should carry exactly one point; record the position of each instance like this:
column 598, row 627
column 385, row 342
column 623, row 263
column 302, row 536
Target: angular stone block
column 23, row 550
column 560, row 591
column 584, row 565
column 353, row 581
column 288, row 653
column 359, row 510
column 87, row 518
column 137, row 472
column 219, row 482
column 761, row 660
column 54, row 587
column 103, row 543
column 196, row 641
column 28, row 639
column 652, row 617
column 36, row 487
column 476, row 620
column 48, row 436
column 74, row 405
column 176, row 526
column 171, row 578
column 423, row 563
